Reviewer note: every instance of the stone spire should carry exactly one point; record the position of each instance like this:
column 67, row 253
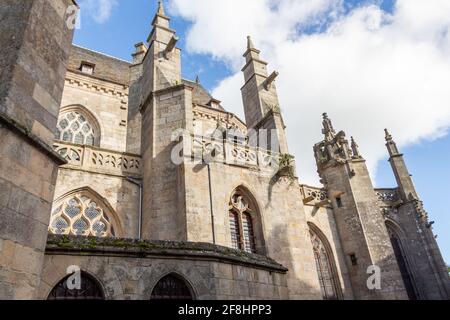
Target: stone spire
column 390, row 144
column 328, row 129
column 402, row 176
column 250, row 44
column 160, row 19
column 161, row 8
column 252, row 54
column 162, row 49
column 355, row 148
column 387, row 135
column 260, row 98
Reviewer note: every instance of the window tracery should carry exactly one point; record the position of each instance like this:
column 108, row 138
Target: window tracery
column 74, row 127
column 241, row 223
column 80, row 215
column 327, row 278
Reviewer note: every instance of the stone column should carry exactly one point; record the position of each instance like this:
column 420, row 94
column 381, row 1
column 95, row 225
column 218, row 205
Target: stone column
column 35, row 40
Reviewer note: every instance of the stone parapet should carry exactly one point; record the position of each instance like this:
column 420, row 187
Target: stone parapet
column 97, row 160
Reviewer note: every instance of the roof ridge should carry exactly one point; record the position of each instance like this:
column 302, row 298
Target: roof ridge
column 103, row 54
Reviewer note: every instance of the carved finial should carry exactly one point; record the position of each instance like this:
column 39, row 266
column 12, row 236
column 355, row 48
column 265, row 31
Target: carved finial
column 197, row 80
column 161, row 8
column 250, row 44
column 328, row 129
column 355, row 148
column 388, row 136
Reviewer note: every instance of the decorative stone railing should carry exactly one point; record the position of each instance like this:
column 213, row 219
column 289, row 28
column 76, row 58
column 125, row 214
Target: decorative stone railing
column 314, row 196
column 388, row 197
column 99, row 160
column 217, row 150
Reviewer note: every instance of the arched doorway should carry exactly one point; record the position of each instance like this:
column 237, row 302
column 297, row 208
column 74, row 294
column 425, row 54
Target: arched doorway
column 90, row 290
column 402, row 262
column 172, row 287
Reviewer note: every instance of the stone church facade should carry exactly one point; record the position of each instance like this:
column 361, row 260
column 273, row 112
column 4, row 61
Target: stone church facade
column 152, row 190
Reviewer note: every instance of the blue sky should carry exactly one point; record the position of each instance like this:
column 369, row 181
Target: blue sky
column 427, row 156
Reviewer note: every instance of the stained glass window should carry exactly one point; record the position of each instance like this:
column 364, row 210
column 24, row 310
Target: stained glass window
column 327, row 278
column 74, row 127
column 234, row 228
column 80, row 215
column 241, row 223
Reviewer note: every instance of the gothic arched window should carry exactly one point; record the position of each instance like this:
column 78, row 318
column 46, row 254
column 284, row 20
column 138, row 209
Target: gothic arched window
column 171, row 288
column 242, row 219
column 81, row 215
column 402, row 262
column 329, row 283
column 76, row 127
column 90, row 289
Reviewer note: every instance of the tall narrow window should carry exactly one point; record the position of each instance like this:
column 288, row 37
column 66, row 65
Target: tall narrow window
column 249, row 238
column 402, row 263
column 242, row 227
column 171, row 288
column 234, row 228
column 328, row 279
column 89, row 290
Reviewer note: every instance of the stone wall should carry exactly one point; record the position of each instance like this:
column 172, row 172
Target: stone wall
column 116, row 192
column 34, row 48
column 107, row 102
column 362, row 230
column 280, row 215
column 129, row 269
column 323, row 219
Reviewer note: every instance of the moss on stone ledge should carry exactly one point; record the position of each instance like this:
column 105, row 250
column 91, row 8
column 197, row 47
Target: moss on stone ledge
column 57, row 243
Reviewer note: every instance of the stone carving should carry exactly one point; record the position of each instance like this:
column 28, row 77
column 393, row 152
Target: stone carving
column 98, row 160
column 79, row 215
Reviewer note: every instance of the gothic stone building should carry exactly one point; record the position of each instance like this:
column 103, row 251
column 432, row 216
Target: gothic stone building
column 154, row 191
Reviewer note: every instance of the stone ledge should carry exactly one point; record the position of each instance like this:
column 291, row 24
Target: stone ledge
column 32, row 139
column 57, row 244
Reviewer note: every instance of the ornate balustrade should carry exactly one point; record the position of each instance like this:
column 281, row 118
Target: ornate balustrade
column 99, row 160
column 216, row 150
column 387, row 196
column 314, row 196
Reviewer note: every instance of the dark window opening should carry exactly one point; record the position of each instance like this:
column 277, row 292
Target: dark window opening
column 171, row 288
column 403, row 265
column 328, row 279
column 339, row 202
column 87, row 68
column 90, row 290
column 353, row 259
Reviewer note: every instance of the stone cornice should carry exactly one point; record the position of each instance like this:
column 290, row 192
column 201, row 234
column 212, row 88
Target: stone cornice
column 204, row 111
column 31, row 138
column 70, row 245
column 92, row 83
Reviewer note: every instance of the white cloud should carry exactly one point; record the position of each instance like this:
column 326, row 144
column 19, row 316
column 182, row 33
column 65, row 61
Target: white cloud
column 99, row 10
column 368, row 69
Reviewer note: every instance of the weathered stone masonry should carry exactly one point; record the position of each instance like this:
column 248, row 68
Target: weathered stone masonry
column 87, row 143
